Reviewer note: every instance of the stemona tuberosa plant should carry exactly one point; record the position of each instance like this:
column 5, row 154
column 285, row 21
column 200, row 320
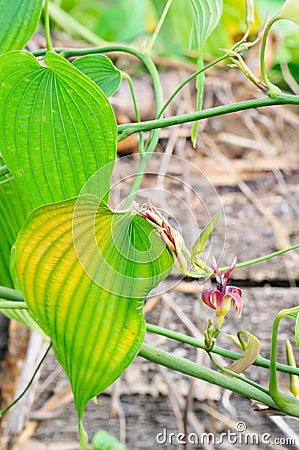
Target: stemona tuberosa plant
column 73, row 268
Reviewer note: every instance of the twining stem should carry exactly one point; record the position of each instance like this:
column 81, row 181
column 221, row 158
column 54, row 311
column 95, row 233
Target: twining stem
column 285, row 402
column 159, row 26
column 47, row 27
column 126, row 130
column 138, row 118
column 274, row 91
column 191, row 77
column 261, row 258
column 28, row 385
column 190, row 368
column 273, row 377
column 154, row 135
column 260, row 361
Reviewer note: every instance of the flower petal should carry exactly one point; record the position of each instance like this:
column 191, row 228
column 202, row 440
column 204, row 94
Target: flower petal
column 217, row 299
column 237, row 299
column 218, row 275
column 207, row 296
column 229, row 271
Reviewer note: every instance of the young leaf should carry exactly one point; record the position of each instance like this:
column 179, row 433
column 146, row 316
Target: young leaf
column 87, row 294
column 206, row 15
column 199, row 244
column 101, row 70
column 104, row 441
column 57, row 127
column 290, row 11
column 18, row 22
column 251, row 351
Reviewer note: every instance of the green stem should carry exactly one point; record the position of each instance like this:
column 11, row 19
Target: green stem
column 274, row 91
column 12, row 304
column 260, row 361
column 273, row 377
column 190, row 368
column 3, row 171
column 138, row 118
column 47, row 27
column 261, row 259
column 72, row 26
column 143, row 161
column 83, row 436
column 11, row 294
column 28, row 385
column 284, row 99
column 149, row 47
column 194, row 75
column 285, row 402
column 154, row 135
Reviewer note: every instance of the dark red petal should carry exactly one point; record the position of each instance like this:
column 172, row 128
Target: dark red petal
column 218, row 275
column 217, row 299
column 238, row 303
column 206, row 297
column 229, row 271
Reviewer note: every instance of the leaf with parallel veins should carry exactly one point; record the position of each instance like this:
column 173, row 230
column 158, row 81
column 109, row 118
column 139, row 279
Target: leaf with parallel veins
column 90, row 307
column 57, row 127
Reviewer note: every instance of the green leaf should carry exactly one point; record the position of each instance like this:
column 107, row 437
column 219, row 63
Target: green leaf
column 297, row 330
column 206, row 15
column 104, row 441
column 199, row 244
column 14, row 206
column 85, row 272
column 290, row 11
column 18, row 22
column 57, row 127
column 101, row 70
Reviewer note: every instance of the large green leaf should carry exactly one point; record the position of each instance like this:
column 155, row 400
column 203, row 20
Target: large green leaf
column 101, row 70
column 74, row 287
column 18, row 22
column 56, row 126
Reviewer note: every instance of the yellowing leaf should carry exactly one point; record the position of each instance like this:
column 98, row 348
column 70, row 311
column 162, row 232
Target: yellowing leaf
column 91, row 307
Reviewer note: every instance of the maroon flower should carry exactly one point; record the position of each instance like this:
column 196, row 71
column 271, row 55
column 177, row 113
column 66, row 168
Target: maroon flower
column 221, row 298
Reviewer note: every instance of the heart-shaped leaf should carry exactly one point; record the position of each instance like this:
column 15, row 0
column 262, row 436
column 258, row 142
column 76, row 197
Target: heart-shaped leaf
column 95, row 321
column 57, row 127
column 101, row 70
column 18, row 22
